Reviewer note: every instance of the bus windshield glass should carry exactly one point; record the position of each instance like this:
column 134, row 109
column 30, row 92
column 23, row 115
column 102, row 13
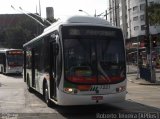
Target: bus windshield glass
column 15, row 59
column 93, row 55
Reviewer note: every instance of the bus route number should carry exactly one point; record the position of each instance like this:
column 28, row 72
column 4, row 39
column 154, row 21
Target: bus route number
column 103, row 86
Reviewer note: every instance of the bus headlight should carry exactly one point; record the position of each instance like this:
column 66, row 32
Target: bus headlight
column 68, row 90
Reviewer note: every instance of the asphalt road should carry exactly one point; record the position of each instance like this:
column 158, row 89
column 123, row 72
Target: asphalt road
column 17, row 103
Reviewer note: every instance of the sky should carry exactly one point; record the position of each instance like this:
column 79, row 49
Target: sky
column 62, row 8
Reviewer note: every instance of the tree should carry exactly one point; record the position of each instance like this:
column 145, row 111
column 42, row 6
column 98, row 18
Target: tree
column 21, row 31
column 154, row 14
column 14, row 37
column 24, row 31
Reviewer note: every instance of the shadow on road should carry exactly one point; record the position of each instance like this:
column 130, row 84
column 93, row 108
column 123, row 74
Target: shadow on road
column 14, row 75
column 93, row 111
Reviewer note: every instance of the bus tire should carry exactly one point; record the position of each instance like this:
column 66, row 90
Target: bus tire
column 28, row 84
column 1, row 70
column 46, row 95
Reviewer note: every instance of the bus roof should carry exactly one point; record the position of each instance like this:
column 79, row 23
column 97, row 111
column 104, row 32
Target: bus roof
column 78, row 20
column 3, row 50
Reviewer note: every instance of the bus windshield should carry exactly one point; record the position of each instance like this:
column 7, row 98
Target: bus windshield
column 93, row 55
column 15, row 59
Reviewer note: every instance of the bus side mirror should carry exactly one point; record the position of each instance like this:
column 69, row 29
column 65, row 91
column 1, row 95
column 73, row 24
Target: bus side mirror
column 55, row 48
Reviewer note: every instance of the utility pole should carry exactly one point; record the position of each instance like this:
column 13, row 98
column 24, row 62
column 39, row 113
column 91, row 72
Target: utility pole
column 106, row 14
column 113, row 10
column 116, row 13
column 147, row 23
column 138, row 67
column 39, row 7
column 129, row 15
column 95, row 14
column 149, row 49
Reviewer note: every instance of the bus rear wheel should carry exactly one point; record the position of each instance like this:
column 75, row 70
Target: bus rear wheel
column 46, row 95
column 1, row 70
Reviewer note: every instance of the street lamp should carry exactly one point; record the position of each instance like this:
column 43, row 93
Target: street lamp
column 80, row 10
column 101, row 14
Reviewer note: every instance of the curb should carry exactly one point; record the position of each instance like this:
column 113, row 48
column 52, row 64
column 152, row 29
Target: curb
column 151, row 84
column 140, row 83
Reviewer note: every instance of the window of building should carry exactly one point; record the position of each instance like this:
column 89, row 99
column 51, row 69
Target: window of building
column 142, row 17
column 136, row 28
column 142, row 7
column 143, row 27
column 135, row 8
column 135, row 18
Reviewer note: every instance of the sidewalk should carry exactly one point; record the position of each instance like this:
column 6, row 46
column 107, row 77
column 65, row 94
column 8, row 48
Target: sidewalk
column 131, row 69
column 133, row 78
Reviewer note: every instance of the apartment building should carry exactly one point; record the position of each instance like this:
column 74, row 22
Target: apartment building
column 131, row 18
column 137, row 25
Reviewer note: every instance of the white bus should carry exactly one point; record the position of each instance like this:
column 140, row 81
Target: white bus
column 78, row 61
column 11, row 61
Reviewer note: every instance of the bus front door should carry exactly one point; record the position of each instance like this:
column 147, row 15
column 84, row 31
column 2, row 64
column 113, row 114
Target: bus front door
column 33, row 68
column 53, row 71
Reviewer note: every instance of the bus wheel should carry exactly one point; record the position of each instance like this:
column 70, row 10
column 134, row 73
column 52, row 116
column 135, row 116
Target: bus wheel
column 1, row 70
column 46, row 95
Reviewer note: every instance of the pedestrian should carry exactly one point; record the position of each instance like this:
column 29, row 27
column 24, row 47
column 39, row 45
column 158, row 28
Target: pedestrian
column 154, row 62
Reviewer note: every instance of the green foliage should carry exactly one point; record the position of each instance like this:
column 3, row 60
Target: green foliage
column 21, row 33
column 154, row 14
column 14, row 37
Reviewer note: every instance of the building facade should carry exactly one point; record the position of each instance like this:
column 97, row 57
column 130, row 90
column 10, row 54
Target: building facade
column 130, row 16
column 136, row 11
column 132, row 19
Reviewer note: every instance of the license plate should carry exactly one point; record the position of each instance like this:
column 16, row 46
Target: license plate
column 97, row 97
